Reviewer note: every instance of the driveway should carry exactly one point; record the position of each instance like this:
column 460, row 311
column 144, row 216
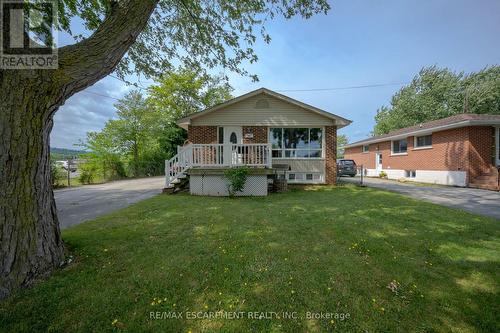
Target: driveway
column 79, row 204
column 476, row 201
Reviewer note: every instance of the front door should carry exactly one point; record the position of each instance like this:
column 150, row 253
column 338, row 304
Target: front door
column 378, row 162
column 232, row 135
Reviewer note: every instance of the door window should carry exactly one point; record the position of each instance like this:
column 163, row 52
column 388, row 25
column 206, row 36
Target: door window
column 233, row 138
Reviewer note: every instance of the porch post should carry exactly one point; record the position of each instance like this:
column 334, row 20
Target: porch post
column 269, row 156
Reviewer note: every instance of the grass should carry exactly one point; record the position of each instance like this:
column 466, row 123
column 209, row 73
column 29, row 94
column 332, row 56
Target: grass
column 75, row 182
column 391, row 263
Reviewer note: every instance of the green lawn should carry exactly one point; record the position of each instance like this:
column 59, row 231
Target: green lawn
column 323, row 249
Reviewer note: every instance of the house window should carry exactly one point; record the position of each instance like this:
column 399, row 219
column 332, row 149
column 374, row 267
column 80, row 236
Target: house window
column 399, row 146
column 410, row 173
column 296, row 142
column 233, row 138
column 423, row 141
column 366, row 148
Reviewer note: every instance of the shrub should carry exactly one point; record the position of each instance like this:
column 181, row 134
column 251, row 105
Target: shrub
column 382, row 174
column 88, row 173
column 57, row 174
column 237, row 178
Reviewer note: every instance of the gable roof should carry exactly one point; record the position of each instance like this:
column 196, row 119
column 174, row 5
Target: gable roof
column 456, row 121
column 339, row 121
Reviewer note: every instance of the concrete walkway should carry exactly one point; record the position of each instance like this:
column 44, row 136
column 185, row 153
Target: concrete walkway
column 482, row 202
column 79, row 204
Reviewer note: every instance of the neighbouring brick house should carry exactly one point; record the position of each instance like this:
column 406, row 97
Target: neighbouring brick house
column 462, row 150
column 259, row 129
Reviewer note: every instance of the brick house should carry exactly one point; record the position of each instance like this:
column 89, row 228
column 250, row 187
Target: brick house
column 259, row 129
column 462, row 150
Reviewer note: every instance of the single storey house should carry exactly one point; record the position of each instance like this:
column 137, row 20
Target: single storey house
column 260, row 129
column 462, row 150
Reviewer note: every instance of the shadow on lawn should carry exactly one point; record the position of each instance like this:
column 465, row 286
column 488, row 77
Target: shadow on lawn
column 322, row 249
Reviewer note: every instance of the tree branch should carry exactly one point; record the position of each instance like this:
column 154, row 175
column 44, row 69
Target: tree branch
column 84, row 63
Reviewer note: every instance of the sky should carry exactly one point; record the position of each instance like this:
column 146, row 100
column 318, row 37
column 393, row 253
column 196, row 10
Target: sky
column 358, row 43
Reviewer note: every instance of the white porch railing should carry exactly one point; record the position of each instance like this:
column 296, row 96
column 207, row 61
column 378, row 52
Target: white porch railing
column 216, row 155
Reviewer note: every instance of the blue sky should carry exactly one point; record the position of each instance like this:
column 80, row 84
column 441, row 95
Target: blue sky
column 357, row 43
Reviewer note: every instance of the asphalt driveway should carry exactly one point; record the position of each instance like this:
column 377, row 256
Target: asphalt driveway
column 79, row 204
column 482, row 202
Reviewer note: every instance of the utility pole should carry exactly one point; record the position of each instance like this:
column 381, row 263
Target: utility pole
column 69, row 163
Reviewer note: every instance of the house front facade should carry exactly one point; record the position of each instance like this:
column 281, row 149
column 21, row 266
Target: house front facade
column 261, row 129
column 462, row 150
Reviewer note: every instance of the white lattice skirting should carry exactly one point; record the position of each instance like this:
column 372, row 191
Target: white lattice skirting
column 216, row 185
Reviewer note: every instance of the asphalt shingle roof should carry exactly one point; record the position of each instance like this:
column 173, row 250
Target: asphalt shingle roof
column 433, row 124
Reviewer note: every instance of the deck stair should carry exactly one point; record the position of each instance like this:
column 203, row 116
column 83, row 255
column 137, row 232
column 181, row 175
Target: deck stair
column 181, row 183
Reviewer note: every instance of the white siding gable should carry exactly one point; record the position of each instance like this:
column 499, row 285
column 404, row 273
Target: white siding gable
column 253, row 112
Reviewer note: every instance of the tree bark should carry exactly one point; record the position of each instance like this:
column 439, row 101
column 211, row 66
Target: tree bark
column 30, row 240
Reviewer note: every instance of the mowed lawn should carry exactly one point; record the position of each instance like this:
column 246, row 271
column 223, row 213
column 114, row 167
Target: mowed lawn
column 320, row 250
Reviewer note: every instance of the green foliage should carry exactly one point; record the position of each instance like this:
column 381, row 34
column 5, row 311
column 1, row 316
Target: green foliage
column 382, row 174
column 59, row 154
column 57, row 173
column 342, row 140
column 192, row 33
column 103, row 155
column 437, row 93
column 237, row 178
column 88, row 173
column 170, row 138
column 145, row 134
column 185, row 91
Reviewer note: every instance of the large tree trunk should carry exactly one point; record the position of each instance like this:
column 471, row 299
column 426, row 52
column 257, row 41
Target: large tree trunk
column 30, row 240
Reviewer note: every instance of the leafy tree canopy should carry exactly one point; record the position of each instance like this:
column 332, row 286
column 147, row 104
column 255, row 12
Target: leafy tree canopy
column 184, row 91
column 144, row 133
column 342, row 140
column 190, row 32
column 437, row 93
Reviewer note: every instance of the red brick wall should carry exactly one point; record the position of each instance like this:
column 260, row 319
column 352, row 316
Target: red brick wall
column 259, row 134
column 482, row 150
column 331, row 155
column 460, row 149
column 202, row 134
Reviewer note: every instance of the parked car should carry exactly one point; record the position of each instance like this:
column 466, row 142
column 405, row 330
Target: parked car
column 346, row 168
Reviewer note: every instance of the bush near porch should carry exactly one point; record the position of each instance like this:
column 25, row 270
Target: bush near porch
column 390, row 262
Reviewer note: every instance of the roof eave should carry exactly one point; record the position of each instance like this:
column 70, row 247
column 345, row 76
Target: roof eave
column 464, row 123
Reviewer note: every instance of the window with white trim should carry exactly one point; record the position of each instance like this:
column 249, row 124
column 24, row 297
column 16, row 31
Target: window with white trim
column 410, row 173
column 423, row 141
column 296, row 142
column 366, row 148
column 399, row 146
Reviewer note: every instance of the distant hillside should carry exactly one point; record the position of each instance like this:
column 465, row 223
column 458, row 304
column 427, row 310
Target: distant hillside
column 64, row 154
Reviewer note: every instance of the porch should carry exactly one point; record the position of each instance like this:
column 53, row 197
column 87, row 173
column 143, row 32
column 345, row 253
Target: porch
column 216, row 156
